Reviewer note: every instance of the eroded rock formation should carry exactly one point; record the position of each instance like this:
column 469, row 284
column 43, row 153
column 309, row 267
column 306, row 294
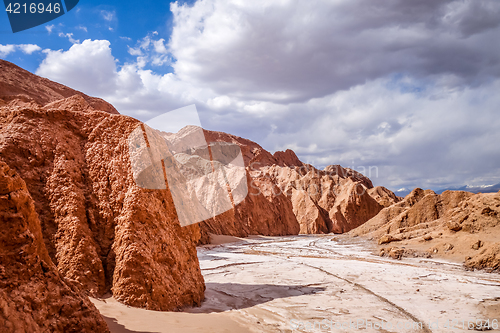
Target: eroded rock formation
column 287, row 196
column 456, row 224
column 101, row 231
column 34, row 297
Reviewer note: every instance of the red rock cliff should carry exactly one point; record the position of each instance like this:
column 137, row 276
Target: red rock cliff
column 101, row 231
column 287, row 196
column 34, row 297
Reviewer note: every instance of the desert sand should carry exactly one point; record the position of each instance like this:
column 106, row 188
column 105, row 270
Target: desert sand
column 283, row 284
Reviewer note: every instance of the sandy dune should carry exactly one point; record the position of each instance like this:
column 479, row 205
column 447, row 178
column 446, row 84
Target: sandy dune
column 289, row 284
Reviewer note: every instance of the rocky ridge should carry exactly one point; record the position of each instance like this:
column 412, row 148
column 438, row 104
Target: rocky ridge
column 20, row 88
column 287, row 196
column 455, row 224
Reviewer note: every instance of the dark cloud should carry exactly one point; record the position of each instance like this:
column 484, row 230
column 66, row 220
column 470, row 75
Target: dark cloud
column 293, row 51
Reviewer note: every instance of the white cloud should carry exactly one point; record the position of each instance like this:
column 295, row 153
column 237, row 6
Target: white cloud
column 134, row 51
column 29, row 48
column 50, row 28
column 70, row 37
column 83, row 28
column 158, row 60
column 144, row 44
column 219, row 102
column 160, row 46
column 89, row 67
column 108, row 15
column 149, row 50
column 5, row 50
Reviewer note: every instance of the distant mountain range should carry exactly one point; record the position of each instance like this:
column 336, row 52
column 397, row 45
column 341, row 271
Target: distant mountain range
column 474, row 189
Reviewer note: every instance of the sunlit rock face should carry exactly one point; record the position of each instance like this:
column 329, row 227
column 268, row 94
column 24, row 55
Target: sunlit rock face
column 101, row 230
column 287, row 196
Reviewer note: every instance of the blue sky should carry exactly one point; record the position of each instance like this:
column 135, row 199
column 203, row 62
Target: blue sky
column 408, row 87
column 121, row 22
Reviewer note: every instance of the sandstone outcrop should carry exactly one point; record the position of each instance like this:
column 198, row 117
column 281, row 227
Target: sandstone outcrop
column 265, row 210
column 34, row 297
column 488, row 258
column 455, row 224
column 20, row 88
column 331, row 200
column 383, row 196
column 287, row 196
column 102, row 232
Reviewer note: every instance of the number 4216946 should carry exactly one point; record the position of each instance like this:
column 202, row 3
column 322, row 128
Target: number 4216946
column 33, row 8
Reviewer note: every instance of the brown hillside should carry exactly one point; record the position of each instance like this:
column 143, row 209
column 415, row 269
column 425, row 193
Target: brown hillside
column 18, row 87
column 287, row 196
column 457, row 225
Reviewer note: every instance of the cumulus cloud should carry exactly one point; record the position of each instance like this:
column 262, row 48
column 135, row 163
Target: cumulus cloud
column 29, row 48
column 5, row 50
column 89, row 67
column 409, row 87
